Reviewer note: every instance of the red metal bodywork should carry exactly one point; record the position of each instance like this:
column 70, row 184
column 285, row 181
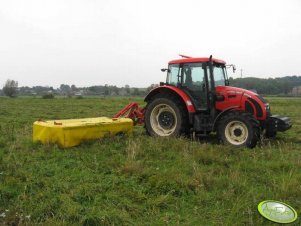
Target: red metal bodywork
column 237, row 97
column 196, row 60
column 132, row 111
column 178, row 91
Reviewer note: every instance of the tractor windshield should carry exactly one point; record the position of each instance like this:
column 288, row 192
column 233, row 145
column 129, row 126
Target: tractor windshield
column 219, row 74
column 174, row 75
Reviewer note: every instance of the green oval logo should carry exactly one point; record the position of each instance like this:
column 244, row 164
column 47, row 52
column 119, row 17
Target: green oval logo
column 277, row 211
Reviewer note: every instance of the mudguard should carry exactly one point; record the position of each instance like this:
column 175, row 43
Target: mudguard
column 175, row 90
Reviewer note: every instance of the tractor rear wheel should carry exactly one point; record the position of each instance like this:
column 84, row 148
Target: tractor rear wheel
column 239, row 129
column 165, row 116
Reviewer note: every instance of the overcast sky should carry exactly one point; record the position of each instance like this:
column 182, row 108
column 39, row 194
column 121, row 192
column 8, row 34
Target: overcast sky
column 89, row 42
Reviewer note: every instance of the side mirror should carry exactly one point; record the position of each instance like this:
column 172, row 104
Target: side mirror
column 165, row 69
column 234, row 68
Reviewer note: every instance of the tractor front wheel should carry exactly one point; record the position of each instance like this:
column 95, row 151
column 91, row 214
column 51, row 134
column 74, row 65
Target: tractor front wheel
column 239, row 129
column 165, row 117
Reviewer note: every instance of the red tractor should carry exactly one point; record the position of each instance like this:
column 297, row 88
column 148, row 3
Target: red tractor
column 197, row 99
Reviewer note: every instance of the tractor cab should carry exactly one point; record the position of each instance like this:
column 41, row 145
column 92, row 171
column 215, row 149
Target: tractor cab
column 197, row 77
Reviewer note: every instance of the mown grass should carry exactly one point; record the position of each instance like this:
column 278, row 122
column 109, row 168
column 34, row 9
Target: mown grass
column 139, row 180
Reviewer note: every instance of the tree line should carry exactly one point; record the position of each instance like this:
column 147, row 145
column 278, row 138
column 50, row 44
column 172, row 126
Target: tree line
column 269, row 86
column 288, row 85
column 11, row 89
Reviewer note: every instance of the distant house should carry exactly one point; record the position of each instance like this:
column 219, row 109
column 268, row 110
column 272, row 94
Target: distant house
column 296, row 90
column 123, row 92
column 79, row 93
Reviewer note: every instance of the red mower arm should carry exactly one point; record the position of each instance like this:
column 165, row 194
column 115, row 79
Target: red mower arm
column 132, row 111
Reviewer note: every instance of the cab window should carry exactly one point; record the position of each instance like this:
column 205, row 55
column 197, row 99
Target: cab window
column 219, row 75
column 173, row 75
column 193, row 75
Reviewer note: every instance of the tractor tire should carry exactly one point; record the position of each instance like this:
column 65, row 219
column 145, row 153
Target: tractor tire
column 238, row 129
column 166, row 116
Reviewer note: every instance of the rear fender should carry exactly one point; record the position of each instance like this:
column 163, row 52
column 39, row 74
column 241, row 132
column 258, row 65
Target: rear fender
column 172, row 89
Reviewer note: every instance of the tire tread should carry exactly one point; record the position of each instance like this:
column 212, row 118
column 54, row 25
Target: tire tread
column 184, row 128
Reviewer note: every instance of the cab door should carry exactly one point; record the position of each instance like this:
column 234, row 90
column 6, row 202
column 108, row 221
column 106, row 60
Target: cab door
column 195, row 85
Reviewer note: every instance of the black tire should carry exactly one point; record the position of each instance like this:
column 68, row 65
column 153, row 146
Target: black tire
column 165, row 116
column 238, row 129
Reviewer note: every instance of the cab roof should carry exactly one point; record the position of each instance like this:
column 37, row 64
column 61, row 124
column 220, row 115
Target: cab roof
column 195, row 60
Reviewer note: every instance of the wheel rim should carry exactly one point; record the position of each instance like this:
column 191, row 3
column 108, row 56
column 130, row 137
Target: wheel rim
column 236, row 132
column 163, row 120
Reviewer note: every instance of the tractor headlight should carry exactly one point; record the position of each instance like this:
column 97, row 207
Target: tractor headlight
column 268, row 109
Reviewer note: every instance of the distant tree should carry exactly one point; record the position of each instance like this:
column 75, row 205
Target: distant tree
column 65, row 89
column 48, row 96
column 10, row 88
column 136, row 92
column 270, row 86
column 152, row 86
column 107, row 90
column 73, row 88
column 115, row 89
column 40, row 90
column 127, row 89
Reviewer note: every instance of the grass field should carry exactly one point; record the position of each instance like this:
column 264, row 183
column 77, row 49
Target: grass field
column 139, row 180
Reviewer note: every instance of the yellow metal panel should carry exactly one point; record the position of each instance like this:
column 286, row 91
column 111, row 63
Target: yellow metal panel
column 71, row 132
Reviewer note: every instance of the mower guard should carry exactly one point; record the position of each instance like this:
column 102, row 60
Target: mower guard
column 277, row 123
column 71, row 132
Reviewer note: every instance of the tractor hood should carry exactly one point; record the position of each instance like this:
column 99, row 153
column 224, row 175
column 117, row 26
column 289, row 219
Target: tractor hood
column 242, row 99
column 235, row 91
column 233, row 96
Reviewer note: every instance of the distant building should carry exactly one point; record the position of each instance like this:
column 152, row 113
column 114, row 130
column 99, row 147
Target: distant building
column 79, row 93
column 296, row 90
column 123, row 91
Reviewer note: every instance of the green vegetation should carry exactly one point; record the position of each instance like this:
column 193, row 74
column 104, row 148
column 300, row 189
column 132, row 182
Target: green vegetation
column 139, row 180
column 10, row 88
column 287, row 85
column 48, row 96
